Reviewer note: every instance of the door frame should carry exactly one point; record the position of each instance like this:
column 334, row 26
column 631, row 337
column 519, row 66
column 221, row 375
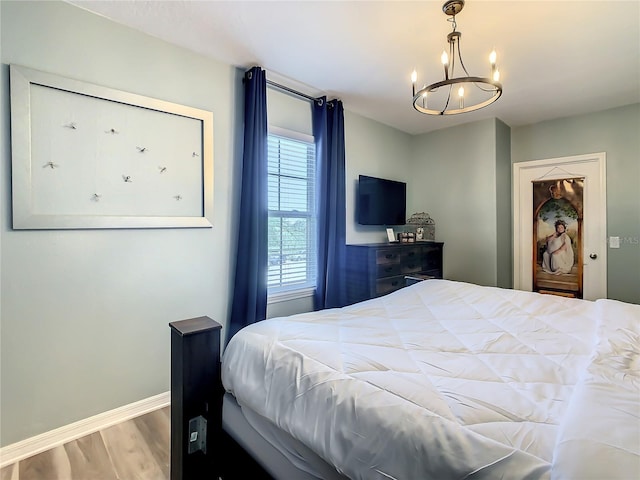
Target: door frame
column 557, row 168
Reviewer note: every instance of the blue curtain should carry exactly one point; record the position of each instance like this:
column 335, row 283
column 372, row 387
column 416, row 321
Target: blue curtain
column 250, row 285
column 328, row 130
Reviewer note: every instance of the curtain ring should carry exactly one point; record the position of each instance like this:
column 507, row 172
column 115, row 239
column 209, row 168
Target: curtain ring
column 320, row 101
column 249, row 75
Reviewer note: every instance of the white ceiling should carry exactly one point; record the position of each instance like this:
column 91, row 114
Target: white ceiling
column 556, row 58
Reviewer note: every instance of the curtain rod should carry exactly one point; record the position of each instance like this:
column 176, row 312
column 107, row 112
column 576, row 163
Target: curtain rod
column 290, row 90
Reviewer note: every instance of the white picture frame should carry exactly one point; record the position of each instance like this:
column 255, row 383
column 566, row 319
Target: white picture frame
column 391, row 236
column 86, row 156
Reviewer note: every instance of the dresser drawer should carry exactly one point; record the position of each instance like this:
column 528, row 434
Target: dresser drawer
column 386, row 256
column 411, row 260
column 412, row 267
column 413, row 254
column 388, row 270
column 389, row 284
column 432, row 258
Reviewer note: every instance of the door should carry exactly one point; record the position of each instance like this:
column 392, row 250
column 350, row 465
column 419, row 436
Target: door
column 592, row 257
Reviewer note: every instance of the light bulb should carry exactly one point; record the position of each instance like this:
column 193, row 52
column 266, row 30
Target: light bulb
column 492, row 57
column 414, row 77
column 496, row 76
column 461, row 92
column 444, row 58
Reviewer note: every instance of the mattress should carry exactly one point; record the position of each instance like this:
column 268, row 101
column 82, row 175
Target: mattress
column 281, row 455
column 446, row 379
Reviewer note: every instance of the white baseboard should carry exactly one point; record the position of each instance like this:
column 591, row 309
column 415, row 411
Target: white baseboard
column 34, row 445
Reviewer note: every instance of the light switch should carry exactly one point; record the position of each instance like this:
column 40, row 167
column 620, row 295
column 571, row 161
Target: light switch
column 614, row 242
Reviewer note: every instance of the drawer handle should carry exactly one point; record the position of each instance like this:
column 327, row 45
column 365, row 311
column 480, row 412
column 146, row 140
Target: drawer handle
column 411, row 254
column 394, row 283
column 389, row 255
column 388, row 269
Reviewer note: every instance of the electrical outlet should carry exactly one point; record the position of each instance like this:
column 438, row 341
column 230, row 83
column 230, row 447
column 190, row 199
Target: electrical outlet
column 197, row 435
column 614, row 242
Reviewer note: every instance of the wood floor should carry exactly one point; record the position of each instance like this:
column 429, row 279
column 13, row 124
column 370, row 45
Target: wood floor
column 137, row 449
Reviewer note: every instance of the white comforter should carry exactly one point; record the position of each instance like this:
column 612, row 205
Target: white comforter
column 447, row 380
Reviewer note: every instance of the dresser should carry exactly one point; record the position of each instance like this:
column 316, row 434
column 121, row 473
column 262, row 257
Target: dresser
column 375, row 269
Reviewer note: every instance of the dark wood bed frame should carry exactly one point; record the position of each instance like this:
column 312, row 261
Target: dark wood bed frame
column 200, row 448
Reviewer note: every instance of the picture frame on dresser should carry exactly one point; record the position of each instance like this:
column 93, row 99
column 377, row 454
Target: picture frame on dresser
column 391, row 236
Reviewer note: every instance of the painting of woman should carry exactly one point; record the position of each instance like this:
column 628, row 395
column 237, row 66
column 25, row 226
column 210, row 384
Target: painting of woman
column 558, row 257
column 557, row 233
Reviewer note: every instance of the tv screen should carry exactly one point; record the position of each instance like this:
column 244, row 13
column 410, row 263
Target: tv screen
column 381, row 202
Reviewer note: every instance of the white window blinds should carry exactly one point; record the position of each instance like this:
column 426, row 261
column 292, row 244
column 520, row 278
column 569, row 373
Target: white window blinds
column 292, row 223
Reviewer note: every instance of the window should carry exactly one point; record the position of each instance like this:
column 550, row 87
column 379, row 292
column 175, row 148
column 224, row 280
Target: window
column 292, row 222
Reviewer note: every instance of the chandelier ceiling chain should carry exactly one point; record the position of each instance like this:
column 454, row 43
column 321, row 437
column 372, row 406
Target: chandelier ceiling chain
column 435, row 99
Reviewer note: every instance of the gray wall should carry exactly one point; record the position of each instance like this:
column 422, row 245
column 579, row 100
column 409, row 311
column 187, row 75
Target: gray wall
column 376, row 150
column 453, row 175
column 85, row 313
column 504, row 220
column 616, row 132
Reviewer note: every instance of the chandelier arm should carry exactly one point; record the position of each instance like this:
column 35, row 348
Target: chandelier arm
column 460, row 57
column 452, row 56
column 448, row 99
column 486, row 89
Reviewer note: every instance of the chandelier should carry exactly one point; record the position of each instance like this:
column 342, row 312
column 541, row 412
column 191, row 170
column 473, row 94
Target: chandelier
column 472, row 93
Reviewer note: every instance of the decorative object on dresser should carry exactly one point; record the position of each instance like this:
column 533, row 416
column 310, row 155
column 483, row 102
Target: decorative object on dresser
column 406, row 237
column 376, row 269
column 391, row 236
column 425, row 226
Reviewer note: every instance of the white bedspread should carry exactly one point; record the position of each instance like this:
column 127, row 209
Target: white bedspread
column 600, row 435
column 447, row 380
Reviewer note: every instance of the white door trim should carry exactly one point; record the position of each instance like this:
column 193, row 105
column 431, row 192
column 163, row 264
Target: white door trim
column 555, row 168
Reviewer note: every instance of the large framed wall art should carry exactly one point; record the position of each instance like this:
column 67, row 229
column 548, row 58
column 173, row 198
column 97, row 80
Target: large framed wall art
column 558, row 212
column 86, row 156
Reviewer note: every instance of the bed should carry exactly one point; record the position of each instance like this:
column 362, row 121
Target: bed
column 441, row 380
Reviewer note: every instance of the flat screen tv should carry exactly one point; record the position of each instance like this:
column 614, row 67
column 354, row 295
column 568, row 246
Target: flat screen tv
column 381, row 201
